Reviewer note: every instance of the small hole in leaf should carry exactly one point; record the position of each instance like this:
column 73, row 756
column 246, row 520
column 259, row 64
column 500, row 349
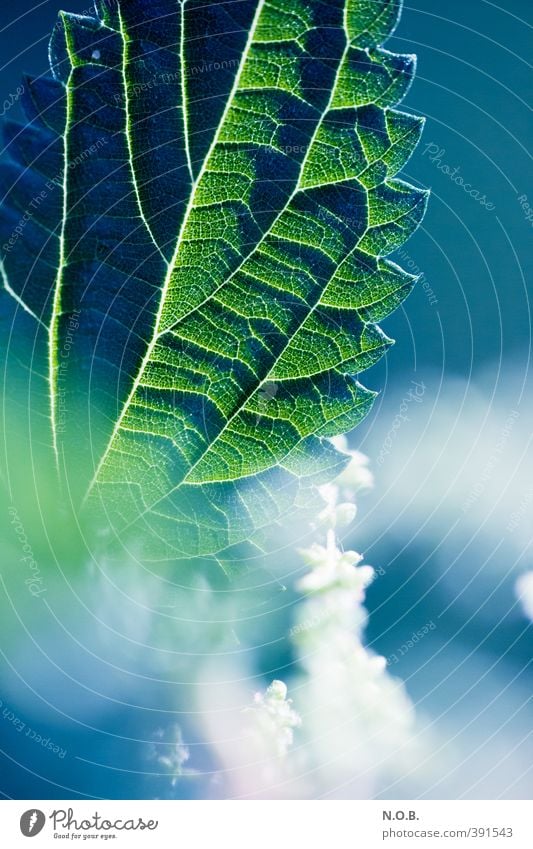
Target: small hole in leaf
column 96, row 55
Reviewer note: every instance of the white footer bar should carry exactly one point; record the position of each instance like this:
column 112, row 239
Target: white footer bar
column 269, row 824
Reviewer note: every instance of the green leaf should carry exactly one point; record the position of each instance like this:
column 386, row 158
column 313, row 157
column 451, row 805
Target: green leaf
column 206, row 265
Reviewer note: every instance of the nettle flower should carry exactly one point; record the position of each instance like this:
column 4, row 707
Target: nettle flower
column 275, row 718
column 335, row 515
column 333, row 568
column 357, row 475
column 369, row 729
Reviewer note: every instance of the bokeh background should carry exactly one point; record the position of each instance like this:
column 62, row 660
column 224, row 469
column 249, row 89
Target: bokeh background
column 448, row 525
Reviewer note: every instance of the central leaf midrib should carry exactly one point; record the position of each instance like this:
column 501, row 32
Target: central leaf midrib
column 172, row 264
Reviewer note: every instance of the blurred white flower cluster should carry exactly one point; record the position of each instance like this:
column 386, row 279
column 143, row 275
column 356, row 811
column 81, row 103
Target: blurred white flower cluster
column 275, row 719
column 357, row 720
column 340, row 509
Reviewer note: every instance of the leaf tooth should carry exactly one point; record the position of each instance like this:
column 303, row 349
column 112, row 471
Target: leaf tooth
column 374, row 76
column 80, row 40
column 371, row 285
